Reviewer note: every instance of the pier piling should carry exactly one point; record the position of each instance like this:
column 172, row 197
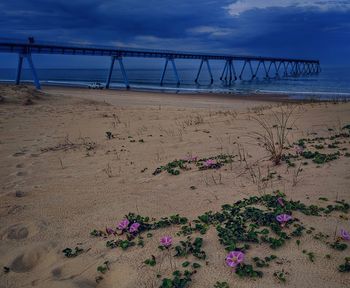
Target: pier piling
column 291, row 67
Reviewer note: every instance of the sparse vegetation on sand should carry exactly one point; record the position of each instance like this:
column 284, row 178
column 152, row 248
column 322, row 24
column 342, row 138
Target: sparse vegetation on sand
column 275, row 132
column 70, row 166
column 265, row 220
column 214, row 162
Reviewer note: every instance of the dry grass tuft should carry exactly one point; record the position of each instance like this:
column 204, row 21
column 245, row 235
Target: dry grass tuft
column 275, row 132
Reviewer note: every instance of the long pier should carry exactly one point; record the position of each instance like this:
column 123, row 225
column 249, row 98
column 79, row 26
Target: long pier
column 271, row 67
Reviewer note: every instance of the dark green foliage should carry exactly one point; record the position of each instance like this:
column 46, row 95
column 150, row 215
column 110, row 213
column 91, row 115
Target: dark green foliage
column 221, row 160
column 6, row 269
column 185, row 264
column 320, row 158
column 280, row 275
column 172, row 167
column 221, row 285
column 244, row 270
column 341, row 206
column 298, row 231
column 151, row 262
column 274, row 242
column 319, row 146
column 188, row 247
column 337, row 245
column 140, row 242
column 263, row 262
column 290, row 163
column 186, row 230
column 145, row 223
column 202, row 229
column 109, row 135
column 317, row 157
column 103, row 268
column 70, row 253
column 248, row 221
column 320, row 236
column 346, row 266
column 124, row 244
column 301, row 143
column 333, row 146
column 97, row 233
column 179, row 280
column 310, row 255
column 175, row 166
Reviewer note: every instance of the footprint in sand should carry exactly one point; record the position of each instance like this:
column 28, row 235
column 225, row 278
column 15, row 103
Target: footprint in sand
column 14, row 209
column 19, row 153
column 31, row 257
column 121, row 276
column 21, row 173
column 21, row 231
column 85, row 284
column 20, row 194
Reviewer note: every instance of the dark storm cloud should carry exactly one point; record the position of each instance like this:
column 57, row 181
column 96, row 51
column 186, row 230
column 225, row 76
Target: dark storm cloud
column 306, row 28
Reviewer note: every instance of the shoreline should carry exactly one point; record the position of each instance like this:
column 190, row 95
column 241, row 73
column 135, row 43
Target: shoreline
column 303, row 96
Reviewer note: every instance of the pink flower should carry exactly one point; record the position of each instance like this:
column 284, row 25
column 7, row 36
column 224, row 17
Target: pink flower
column 280, row 201
column 134, row 227
column 345, row 235
column 109, row 231
column 123, row 225
column 283, row 218
column 166, row 241
column 234, row 258
column 209, row 163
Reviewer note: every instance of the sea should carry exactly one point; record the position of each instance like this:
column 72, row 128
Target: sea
column 330, row 83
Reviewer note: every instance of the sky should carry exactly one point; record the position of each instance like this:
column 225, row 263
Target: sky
column 317, row 29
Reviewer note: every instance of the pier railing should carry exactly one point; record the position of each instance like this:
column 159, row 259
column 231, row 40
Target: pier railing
column 271, row 67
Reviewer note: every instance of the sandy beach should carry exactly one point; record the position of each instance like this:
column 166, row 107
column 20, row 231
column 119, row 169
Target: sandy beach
column 62, row 177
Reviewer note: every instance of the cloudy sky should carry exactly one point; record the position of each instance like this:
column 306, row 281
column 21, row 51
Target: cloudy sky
column 292, row 28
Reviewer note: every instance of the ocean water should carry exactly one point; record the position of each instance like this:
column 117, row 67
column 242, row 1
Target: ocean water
column 332, row 82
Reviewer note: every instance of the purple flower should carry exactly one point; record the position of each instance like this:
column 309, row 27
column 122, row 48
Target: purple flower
column 166, row 241
column 110, row 231
column 134, row 227
column 234, row 258
column 283, row 218
column 299, row 149
column 123, row 225
column 280, row 201
column 345, row 235
column 210, row 162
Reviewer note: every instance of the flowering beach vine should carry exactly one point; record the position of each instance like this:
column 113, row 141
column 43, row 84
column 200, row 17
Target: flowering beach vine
column 266, row 220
